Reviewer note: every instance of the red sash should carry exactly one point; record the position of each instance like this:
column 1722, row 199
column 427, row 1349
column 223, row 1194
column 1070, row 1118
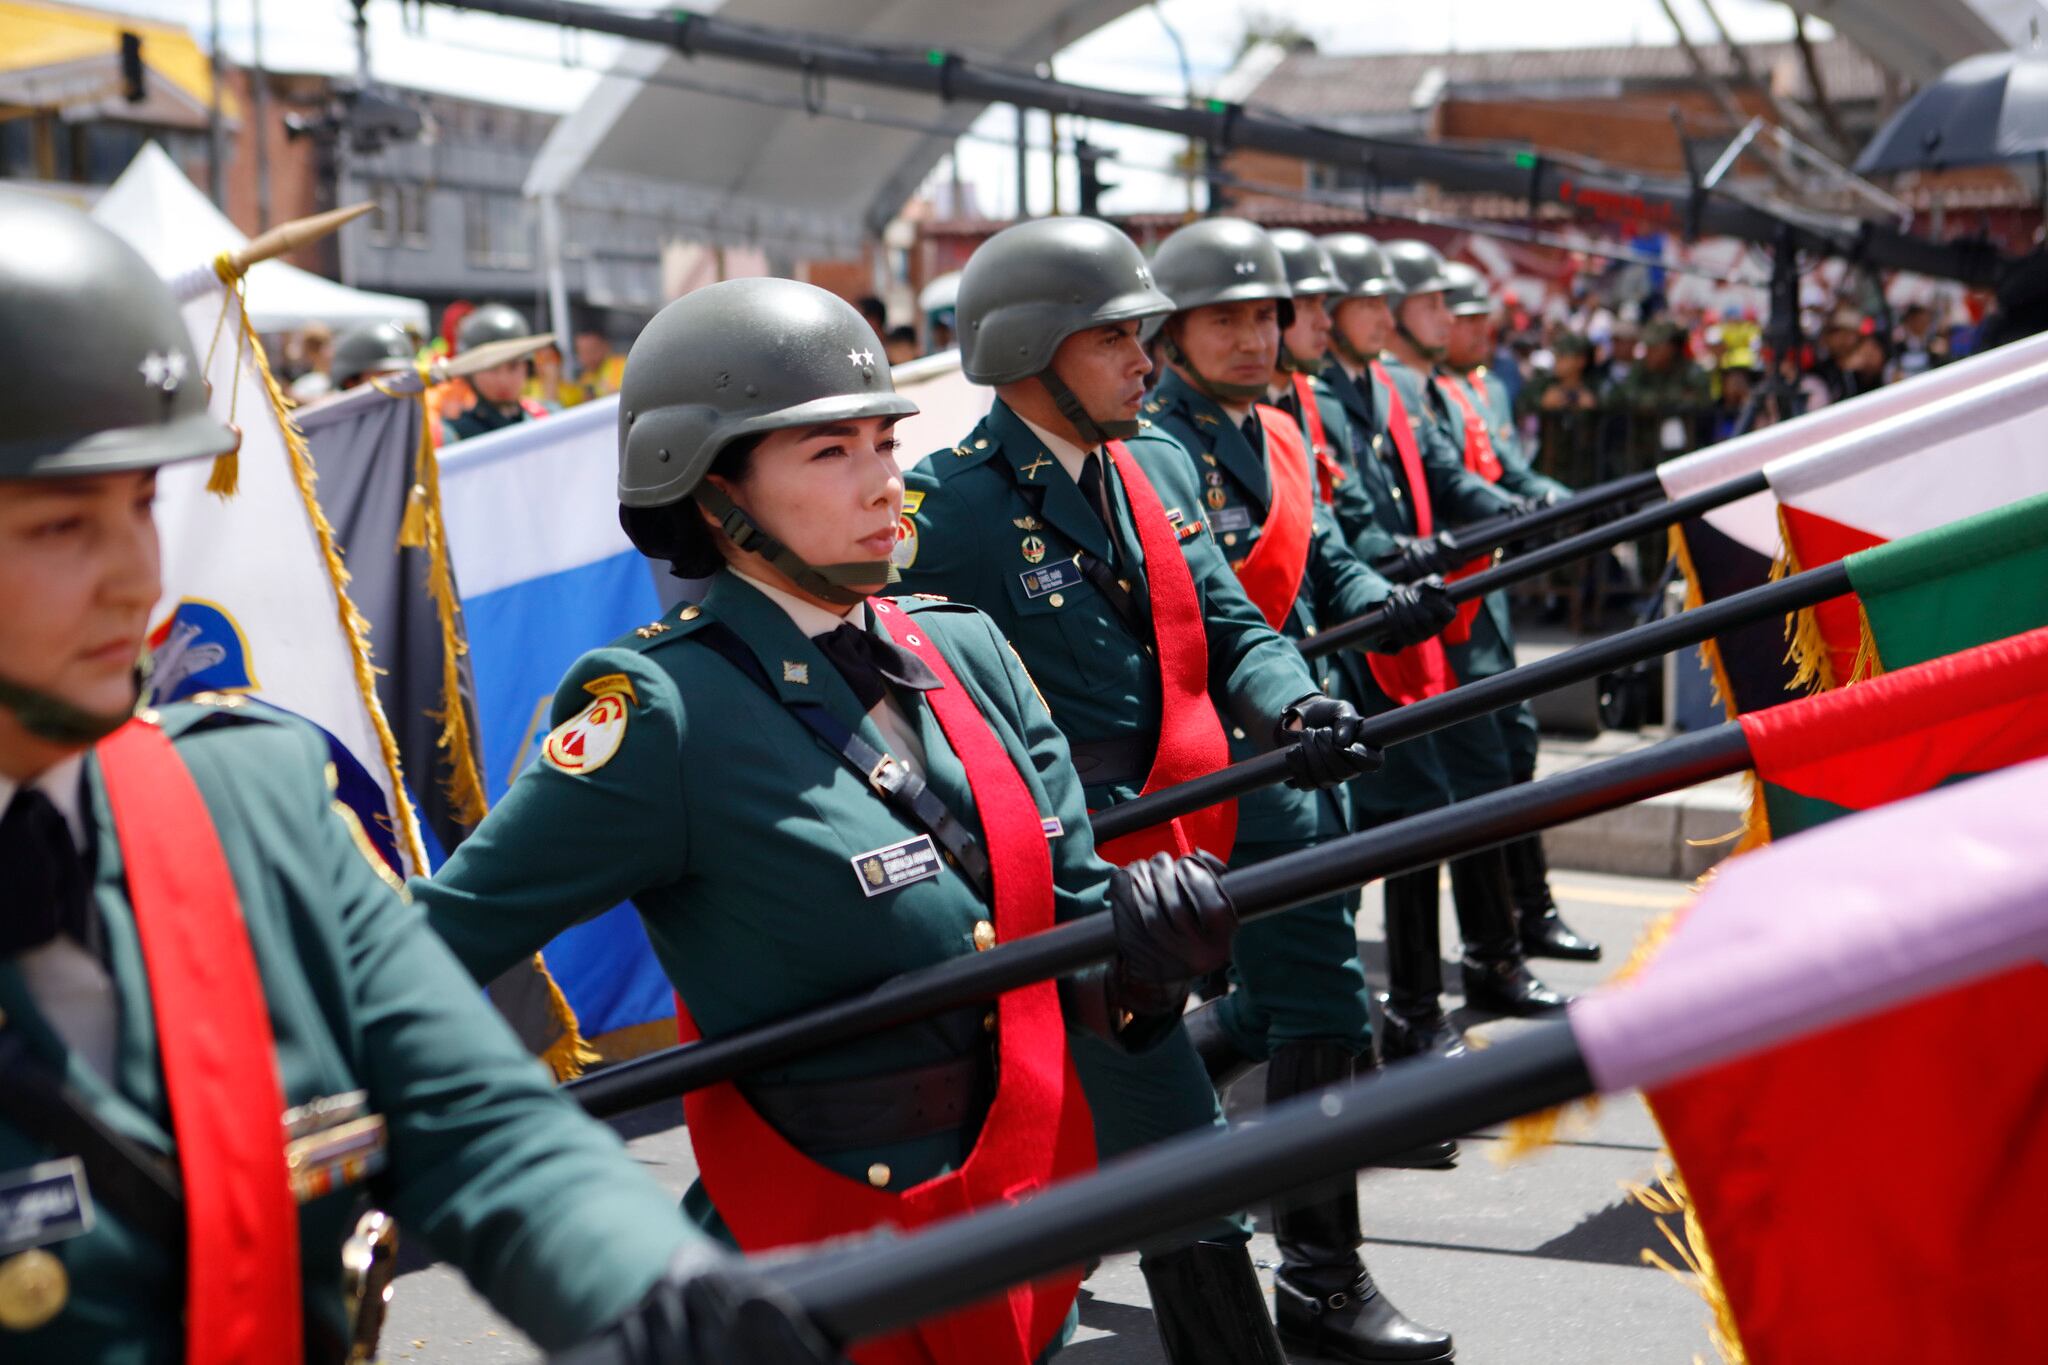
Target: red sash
column 1420, row 670
column 1191, row 740
column 1272, row 572
column 242, row 1302
column 1037, row 1131
column 1329, row 473
column 1480, row 459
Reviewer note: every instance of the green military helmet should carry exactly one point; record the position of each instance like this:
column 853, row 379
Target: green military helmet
column 1414, row 267
column 1222, row 260
column 1309, row 267
column 735, row 360
column 101, row 379
column 1466, row 291
column 1031, row 286
column 1216, row 261
column 372, row 348
column 1361, row 265
column 492, row 322
column 101, row 375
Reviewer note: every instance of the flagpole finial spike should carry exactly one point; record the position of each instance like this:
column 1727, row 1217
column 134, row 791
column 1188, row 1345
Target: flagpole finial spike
column 289, row 237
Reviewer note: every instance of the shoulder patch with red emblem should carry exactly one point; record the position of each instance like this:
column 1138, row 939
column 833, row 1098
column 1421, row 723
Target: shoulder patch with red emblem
column 591, row 738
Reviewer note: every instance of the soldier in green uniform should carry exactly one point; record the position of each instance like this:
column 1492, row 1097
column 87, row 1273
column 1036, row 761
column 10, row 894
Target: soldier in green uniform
column 1475, row 754
column 1118, row 592
column 1564, row 410
column 1301, row 997
column 1489, row 421
column 1663, row 400
column 196, row 940
column 807, row 790
column 501, row 399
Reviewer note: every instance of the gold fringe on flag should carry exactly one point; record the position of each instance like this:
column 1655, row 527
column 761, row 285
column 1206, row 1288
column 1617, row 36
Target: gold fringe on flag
column 424, row 529
column 570, row 1053
column 353, row 626
column 1710, row 649
column 1868, row 664
column 225, row 478
column 1668, row 1199
column 1806, row 647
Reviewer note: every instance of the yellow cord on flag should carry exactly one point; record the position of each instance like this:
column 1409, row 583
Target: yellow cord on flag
column 1710, row 650
column 226, row 475
column 1806, row 647
column 1668, row 1199
column 353, row 626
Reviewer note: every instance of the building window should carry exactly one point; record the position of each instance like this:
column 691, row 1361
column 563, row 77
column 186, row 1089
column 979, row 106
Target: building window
column 498, row 231
column 383, row 219
column 412, row 215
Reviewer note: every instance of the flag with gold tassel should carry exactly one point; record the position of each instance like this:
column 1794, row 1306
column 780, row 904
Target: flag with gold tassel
column 380, row 484
column 256, row 601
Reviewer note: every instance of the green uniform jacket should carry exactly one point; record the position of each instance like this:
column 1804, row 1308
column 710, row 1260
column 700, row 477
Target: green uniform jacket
column 1350, row 503
column 489, row 1165
column 975, row 532
column 1335, row 586
column 738, row 836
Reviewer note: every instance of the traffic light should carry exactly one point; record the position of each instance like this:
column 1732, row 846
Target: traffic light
column 1088, row 161
column 133, row 88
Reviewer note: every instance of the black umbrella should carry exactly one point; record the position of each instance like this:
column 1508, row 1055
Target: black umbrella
column 1981, row 111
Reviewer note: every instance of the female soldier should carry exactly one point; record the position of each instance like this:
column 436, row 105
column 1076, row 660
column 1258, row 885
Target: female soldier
column 807, row 790
column 195, row 935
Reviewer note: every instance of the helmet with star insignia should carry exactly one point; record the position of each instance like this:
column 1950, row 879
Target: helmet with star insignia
column 101, row 375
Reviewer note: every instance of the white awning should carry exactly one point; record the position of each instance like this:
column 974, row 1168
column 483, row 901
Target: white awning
column 1921, row 38
column 746, row 173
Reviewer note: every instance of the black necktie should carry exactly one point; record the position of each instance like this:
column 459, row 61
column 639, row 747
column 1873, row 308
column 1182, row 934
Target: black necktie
column 46, row 891
column 1092, row 489
column 1252, row 435
column 865, row 660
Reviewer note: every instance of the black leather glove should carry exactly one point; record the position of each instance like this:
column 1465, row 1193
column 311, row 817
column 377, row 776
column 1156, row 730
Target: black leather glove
column 709, row 1309
column 1325, row 750
column 1422, row 556
column 1174, row 922
column 1415, row 612
column 1519, row 506
column 1551, row 497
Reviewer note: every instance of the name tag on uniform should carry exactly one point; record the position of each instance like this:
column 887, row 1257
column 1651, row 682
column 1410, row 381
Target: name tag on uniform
column 885, row 869
column 1050, row 578
column 1231, row 519
column 43, row 1204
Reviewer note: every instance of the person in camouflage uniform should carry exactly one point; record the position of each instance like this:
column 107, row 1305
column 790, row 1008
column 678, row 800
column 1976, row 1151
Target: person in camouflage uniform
column 1660, row 402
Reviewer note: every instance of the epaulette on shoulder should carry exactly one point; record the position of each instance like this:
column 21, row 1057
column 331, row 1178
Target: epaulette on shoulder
column 671, row 625
column 204, row 711
column 931, row 601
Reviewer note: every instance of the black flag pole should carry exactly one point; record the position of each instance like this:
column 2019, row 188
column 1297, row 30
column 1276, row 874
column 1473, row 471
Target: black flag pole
column 883, row 1283
column 1553, row 556
column 1491, row 694
column 1261, row 889
column 1484, row 537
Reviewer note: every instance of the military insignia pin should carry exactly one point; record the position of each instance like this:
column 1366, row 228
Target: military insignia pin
column 872, row 870
column 1033, row 549
column 794, row 672
column 1027, row 524
column 1215, row 498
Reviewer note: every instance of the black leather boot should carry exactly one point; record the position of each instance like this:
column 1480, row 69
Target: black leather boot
column 1429, row 1156
column 1412, row 1011
column 1544, row 932
column 1221, row 1057
column 1326, row 1302
column 1497, row 980
column 1209, row 1308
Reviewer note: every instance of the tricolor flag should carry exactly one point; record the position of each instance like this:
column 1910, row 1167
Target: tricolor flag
column 532, row 518
column 1850, row 1192
column 255, row 600
column 1733, row 548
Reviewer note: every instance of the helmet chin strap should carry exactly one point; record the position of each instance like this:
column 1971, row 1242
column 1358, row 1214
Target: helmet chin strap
column 57, row 721
column 1215, row 388
column 847, row 585
column 1433, row 354
column 1092, row 430
column 1290, row 363
column 1343, row 347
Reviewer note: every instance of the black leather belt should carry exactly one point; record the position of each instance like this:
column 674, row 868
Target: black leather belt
column 1125, row 761
column 819, row 1117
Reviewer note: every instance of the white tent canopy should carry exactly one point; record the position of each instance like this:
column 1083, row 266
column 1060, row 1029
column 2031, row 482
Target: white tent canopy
column 1919, row 39
column 163, row 215
column 743, row 173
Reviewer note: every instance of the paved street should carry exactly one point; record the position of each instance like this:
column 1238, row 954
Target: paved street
column 1535, row 1263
